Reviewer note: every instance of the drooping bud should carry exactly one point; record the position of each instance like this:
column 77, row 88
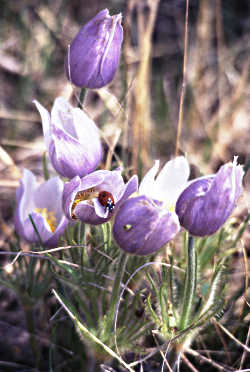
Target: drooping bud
column 94, row 53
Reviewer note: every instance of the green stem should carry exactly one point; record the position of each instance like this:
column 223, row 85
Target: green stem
column 81, row 98
column 115, row 295
column 29, row 316
column 190, row 284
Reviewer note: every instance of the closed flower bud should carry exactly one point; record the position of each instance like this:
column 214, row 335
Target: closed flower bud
column 142, row 226
column 95, row 198
column 94, row 53
column 72, row 139
column 207, row 202
column 44, row 204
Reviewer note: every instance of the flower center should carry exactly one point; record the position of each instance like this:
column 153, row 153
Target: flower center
column 83, row 195
column 49, row 216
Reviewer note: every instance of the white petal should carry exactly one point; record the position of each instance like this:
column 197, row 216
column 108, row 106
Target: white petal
column 62, row 116
column 49, row 195
column 100, row 209
column 147, row 186
column 27, row 204
column 172, row 179
column 46, row 123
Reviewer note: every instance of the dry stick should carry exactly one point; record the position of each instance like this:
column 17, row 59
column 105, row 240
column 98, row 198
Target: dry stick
column 232, row 337
column 141, row 125
column 188, row 363
column 223, row 341
column 208, row 360
column 245, row 352
column 184, row 80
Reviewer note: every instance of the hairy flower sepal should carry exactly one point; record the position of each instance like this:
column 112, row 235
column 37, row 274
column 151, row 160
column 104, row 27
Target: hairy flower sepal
column 81, row 196
column 72, row 139
column 43, row 205
column 94, row 53
column 207, row 202
column 142, row 226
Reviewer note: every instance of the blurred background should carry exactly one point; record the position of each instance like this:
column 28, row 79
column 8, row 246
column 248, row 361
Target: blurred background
column 138, row 112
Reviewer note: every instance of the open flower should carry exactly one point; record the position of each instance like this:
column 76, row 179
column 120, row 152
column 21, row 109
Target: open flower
column 44, row 204
column 207, row 202
column 72, row 139
column 94, row 53
column 95, row 198
column 145, row 223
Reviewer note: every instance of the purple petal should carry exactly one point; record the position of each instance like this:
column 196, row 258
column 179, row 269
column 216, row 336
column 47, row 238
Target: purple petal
column 69, row 157
column 44, row 204
column 206, row 204
column 142, row 228
column 94, row 53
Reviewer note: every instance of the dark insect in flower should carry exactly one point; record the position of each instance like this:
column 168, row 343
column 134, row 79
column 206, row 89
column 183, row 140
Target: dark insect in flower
column 106, row 200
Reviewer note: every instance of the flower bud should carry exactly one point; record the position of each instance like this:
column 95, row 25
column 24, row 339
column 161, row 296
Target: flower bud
column 44, row 204
column 94, row 53
column 142, row 226
column 72, row 139
column 207, row 202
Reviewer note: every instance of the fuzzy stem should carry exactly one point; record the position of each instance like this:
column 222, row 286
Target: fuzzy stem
column 190, row 283
column 115, row 295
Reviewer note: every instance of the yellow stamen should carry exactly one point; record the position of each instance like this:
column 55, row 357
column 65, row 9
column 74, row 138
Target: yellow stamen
column 49, row 217
column 83, row 195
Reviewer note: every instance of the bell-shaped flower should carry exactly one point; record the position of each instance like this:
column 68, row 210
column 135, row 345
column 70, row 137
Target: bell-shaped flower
column 94, row 53
column 145, row 223
column 42, row 205
column 72, row 139
column 207, row 202
column 95, row 198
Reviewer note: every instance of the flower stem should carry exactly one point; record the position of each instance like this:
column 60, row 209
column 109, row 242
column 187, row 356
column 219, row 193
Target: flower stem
column 190, row 283
column 115, row 295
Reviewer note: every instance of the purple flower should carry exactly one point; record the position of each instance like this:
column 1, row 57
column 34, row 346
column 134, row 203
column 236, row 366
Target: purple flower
column 145, row 223
column 207, row 202
column 142, row 227
column 94, row 54
column 44, row 204
column 81, row 197
column 72, row 139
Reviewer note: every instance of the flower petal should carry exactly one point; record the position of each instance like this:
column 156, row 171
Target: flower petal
column 206, row 203
column 172, row 180
column 69, row 157
column 45, row 122
column 94, row 53
column 147, row 185
column 62, row 116
column 142, row 228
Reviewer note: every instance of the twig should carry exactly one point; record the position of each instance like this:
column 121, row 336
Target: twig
column 184, row 80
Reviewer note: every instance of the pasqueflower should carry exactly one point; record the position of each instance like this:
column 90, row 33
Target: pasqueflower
column 145, row 223
column 83, row 198
column 207, row 202
column 44, row 204
column 94, row 53
column 72, row 139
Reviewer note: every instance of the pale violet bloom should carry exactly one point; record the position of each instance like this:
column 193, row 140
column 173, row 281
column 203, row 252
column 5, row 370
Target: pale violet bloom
column 207, row 202
column 94, row 53
column 147, row 222
column 82, row 196
column 72, row 139
column 43, row 202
